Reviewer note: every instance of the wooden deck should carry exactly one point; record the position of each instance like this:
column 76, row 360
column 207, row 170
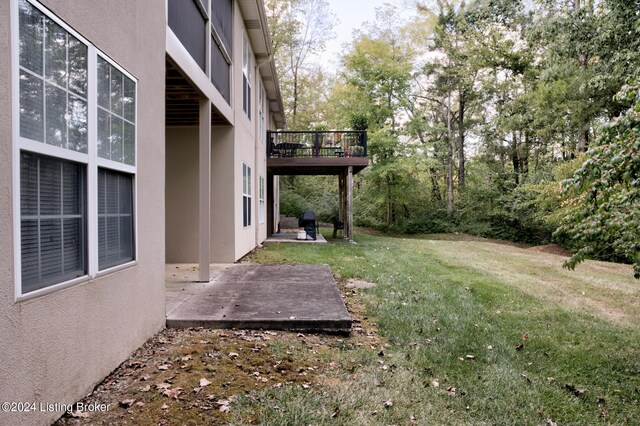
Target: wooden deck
column 315, row 165
column 316, row 152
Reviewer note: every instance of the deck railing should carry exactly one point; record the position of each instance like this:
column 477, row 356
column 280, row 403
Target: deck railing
column 316, row 144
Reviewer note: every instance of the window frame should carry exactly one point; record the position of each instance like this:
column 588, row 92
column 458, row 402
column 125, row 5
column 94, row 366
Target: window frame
column 89, row 160
column 247, row 198
column 246, row 74
column 261, row 115
column 261, row 201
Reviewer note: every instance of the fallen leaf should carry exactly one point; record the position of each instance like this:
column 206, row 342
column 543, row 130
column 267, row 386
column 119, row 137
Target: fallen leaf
column 292, row 317
column 173, row 393
column 233, row 355
column 413, row 419
column 388, row 403
column 335, row 412
column 146, row 388
column 163, row 386
column 490, row 347
column 451, row 391
column 197, row 389
column 525, row 336
column 186, row 358
column 127, row 403
column 164, row 407
column 163, row 367
column 80, row 414
column 204, row 382
column 471, row 357
column 224, row 408
column 139, row 404
column 520, row 347
column 435, row 383
column 574, row 390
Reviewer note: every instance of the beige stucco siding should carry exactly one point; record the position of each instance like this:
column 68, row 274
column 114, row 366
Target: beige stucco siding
column 182, row 221
column 224, row 218
column 182, row 195
column 57, row 347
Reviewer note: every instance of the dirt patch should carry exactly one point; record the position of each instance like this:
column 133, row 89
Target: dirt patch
column 359, row 284
column 552, row 249
column 194, row 376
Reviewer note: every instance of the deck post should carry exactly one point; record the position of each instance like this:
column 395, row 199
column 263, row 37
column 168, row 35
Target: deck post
column 341, row 197
column 204, row 199
column 350, row 202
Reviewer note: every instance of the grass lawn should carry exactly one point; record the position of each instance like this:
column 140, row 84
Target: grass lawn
column 455, row 331
column 476, row 333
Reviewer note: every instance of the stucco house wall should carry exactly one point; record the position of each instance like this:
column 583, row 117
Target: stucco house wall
column 56, row 347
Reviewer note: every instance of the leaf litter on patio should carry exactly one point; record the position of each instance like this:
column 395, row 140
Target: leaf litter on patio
column 195, row 376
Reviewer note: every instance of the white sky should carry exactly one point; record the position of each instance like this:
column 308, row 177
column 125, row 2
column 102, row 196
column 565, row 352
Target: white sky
column 351, row 15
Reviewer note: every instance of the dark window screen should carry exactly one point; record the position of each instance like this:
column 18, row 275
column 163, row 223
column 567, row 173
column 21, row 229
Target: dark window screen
column 221, row 18
column 188, row 25
column 220, row 72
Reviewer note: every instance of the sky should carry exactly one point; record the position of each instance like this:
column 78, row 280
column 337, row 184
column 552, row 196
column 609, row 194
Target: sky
column 351, row 15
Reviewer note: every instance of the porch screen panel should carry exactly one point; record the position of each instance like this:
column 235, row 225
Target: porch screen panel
column 220, row 72
column 221, row 19
column 115, row 218
column 53, row 220
column 188, row 24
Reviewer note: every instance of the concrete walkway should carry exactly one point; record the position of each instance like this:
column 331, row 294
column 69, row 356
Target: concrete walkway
column 277, row 297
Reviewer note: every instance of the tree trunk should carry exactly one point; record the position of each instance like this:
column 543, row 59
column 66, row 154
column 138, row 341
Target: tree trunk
column 389, row 204
column 435, row 186
column 514, row 159
column 295, row 97
column 449, row 159
column 461, row 132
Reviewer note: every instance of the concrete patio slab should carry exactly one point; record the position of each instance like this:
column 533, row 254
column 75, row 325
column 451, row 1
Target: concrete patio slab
column 277, row 297
column 181, row 282
column 282, row 237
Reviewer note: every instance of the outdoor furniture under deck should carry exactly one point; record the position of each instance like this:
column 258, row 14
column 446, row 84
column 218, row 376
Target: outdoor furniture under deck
column 319, row 152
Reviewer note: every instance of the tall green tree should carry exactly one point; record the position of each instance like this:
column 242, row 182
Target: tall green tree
column 603, row 218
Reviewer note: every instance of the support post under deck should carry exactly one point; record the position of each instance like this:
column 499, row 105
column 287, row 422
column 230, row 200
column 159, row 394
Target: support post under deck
column 204, row 196
column 350, row 203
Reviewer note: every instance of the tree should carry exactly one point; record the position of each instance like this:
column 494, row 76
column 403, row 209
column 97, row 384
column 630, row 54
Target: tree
column 299, row 31
column 604, row 208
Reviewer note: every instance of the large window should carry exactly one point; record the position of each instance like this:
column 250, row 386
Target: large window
column 246, row 195
column 261, row 200
column 261, row 119
column 246, row 76
column 74, row 192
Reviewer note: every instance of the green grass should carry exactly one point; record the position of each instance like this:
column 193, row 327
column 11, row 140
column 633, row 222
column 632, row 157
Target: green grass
column 437, row 301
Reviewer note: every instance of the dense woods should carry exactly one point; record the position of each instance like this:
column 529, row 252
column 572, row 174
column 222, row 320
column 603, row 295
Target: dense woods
column 502, row 118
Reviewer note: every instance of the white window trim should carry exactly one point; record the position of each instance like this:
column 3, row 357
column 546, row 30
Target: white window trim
column 262, row 206
column 246, row 167
column 261, row 117
column 246, row 49
column 90, row 159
